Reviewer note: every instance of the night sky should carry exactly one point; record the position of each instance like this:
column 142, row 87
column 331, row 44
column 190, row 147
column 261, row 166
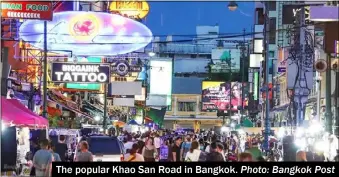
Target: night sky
column 181, row 18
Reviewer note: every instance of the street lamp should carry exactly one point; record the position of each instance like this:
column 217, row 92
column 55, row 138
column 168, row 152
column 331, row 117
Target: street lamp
column 232, row 6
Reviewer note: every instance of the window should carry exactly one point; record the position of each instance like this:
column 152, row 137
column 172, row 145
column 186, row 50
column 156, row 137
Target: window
column 272, row 30
column 187, row 106
column 272, row 5
column 169, row 108
column 271, row 54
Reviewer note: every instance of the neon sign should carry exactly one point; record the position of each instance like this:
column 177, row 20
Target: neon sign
column 84, row 27
column 80, row 73
column 88, row 33
column 132, row 9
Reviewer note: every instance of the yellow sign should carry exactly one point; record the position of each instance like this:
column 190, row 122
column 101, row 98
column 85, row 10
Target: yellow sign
column 132, row 9
column 211, row 84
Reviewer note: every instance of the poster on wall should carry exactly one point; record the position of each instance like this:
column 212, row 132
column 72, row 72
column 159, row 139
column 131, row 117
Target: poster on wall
column 80, row 73
column 217, row 95
column 225, row 60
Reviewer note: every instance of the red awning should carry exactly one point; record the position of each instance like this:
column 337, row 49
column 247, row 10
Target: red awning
column 16, row 113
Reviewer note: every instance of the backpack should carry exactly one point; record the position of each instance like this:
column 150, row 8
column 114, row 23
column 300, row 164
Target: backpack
column 202, row 157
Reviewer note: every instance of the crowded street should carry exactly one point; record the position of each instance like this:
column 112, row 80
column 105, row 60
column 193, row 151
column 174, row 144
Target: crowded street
column 86, row 84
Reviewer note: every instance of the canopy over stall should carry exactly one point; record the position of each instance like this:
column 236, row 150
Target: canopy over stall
column 13, row 112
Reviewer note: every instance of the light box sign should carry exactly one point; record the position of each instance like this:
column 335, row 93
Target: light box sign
column 219, row 95
column 39, row 10
column 132, row 9
column 324, row 13
column 80, row 73
column 85, row 86
column 88, row 33
column 225, row 60
column 161, row 71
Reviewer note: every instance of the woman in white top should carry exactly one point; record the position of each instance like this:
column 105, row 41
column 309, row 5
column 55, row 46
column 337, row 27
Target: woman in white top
column 194, row 153
column 134, row 156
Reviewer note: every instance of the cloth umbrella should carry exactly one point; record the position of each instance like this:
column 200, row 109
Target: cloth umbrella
column 247, row 123
column 119, row 124
column 132, row 122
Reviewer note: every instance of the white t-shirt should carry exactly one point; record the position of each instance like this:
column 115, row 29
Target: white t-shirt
column 207, row 149
column 193, row 157
column 138, row 158
column 157, row 142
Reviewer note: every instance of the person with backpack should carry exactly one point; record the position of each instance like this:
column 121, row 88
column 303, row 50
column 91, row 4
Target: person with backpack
column 185, row 147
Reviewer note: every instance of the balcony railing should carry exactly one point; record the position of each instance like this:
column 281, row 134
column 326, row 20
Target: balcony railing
column 186, row 48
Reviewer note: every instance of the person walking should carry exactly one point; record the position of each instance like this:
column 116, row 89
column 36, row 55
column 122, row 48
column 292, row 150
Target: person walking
column 84, row 155
column 164, row 151
column 149, row 151
column 176, row 150
column 214, row 155
column 56, row 156
column 42, row 160
column 194, row 154
column 134, row 156
column 185, row 147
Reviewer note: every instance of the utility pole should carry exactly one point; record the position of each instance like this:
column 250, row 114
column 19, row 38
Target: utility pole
column 243, row 56
column 44, row 112
column 328, row 113
column 104, row 123
column 267, row 122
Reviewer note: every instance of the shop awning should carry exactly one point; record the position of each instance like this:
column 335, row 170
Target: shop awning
column 13, row 112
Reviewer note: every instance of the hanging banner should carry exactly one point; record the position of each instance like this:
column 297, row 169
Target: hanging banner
column 39, row 10
column 80, row 73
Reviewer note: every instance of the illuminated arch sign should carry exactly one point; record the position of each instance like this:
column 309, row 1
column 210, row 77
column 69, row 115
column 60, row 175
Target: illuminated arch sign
column 88, row 33
column 132, row 9
column 80, row 73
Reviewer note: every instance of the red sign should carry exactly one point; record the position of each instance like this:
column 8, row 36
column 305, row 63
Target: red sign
column 27, row 10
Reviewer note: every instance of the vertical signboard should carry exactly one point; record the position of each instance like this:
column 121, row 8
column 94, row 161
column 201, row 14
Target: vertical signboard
column 161, row 78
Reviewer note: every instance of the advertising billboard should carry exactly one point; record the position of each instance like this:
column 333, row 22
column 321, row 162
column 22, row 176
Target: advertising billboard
column 80, row 73
column 161, row 78
column 225, row 60
column 38, row 10
column 94, row 87
column 217, row 95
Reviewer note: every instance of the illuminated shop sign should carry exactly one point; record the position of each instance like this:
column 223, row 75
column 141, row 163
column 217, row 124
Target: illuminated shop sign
column 80, row 73
column 27, row 10
column 88, row 33
column 131, row 9
column 85, row 86
column 122, row 68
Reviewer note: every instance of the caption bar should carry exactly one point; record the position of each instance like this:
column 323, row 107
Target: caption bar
column 88, row 169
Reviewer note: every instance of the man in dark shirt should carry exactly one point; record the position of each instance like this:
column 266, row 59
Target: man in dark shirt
column 176, row 149
column 61, row 148
column 214, row 155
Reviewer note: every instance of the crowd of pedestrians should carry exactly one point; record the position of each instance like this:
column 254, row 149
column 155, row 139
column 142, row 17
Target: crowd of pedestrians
column 151, row 147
